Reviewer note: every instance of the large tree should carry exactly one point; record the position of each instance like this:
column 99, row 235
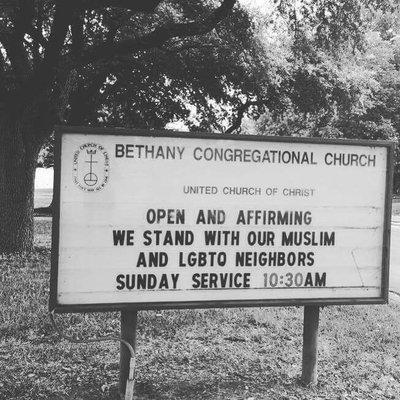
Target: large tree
column 104, row 62
column 140, row 63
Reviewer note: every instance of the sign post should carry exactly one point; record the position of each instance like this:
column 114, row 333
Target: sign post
column 153, row 220
column 128, row 333
column 310, row 345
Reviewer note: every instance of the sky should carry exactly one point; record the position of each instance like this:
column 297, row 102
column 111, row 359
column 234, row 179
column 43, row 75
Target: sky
column 259, row 4
column 44, row 178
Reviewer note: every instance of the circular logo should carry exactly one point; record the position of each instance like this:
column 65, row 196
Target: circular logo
column 91, row 166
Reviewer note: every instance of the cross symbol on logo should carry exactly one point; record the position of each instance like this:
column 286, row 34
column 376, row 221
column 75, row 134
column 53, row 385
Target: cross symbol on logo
column 91, row 178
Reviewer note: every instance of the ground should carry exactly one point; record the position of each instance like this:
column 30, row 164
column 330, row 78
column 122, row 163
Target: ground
column 252, row 353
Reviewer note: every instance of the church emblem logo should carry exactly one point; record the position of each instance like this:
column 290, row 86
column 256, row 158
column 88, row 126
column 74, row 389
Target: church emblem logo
column 91, row 167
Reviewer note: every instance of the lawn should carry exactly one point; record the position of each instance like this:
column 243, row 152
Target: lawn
column 252, row 353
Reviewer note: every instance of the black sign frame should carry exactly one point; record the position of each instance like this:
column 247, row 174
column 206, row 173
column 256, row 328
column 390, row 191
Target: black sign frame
column 55, row 306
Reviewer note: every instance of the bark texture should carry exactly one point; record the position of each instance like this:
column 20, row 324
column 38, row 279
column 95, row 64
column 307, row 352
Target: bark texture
column 18, row 157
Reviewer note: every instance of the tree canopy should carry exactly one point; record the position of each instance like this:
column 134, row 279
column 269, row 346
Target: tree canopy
column 105, row 62
column 301, row 68
column 345, row 87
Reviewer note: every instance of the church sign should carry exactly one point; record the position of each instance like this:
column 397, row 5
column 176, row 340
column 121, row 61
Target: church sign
column 149, row 219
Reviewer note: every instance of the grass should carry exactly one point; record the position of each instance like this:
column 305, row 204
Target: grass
column 252, row 353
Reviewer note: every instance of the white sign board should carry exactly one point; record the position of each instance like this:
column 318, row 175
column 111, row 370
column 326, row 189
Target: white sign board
column 191, row 221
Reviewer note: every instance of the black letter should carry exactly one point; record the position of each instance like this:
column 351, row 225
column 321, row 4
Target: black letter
column 119, row 150
column 129, row 239
column 119, row 237
column 320, row 280
column 119, row 279
column 196, row 281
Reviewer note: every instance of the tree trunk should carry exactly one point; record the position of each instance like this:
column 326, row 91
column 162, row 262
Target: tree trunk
column 18, row 156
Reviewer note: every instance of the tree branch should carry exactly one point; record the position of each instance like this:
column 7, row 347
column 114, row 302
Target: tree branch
column 62, row 19
column 77, row 36
column 13, row 39
column 24, row 17
column 132, row 5
column 38, row 83
column 81, row 98
column 159, row 36
column 240, row 114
